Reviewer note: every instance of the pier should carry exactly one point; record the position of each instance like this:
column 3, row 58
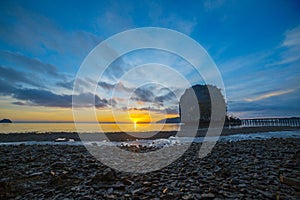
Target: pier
column 261, row 122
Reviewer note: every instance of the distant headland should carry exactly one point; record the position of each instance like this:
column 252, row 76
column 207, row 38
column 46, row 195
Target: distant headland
column 5, row 121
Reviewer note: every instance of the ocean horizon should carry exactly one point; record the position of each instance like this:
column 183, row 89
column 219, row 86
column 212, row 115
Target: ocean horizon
column 46, row 127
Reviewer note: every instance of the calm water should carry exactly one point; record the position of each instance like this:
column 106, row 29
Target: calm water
column 84, row 127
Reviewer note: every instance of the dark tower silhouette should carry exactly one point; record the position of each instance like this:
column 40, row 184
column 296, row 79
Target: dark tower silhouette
column 202, row 93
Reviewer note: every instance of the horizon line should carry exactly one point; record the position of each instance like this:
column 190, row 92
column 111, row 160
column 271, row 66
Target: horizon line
column 107, row 122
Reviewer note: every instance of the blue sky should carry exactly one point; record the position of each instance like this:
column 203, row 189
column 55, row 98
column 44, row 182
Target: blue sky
column 255, row 45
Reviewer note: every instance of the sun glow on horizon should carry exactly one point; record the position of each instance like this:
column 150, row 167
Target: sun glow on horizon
column 53, row 114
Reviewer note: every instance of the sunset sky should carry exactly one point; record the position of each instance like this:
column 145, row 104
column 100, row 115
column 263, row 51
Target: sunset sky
column 255, row 45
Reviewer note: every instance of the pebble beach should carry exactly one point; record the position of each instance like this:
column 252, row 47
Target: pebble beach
column 249, row 169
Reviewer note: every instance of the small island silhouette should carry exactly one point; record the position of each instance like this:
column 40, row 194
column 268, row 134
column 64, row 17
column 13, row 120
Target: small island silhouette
column 5, row 121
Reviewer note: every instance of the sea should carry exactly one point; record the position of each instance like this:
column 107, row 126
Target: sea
column 85, row 127
column 107, row 127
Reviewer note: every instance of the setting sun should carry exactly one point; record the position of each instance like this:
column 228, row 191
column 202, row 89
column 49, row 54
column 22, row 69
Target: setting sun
column 140, row 117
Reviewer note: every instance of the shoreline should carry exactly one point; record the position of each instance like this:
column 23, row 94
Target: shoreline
column 121, row 136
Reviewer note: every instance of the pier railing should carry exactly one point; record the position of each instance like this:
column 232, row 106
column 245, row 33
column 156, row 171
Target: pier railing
column 292, row 122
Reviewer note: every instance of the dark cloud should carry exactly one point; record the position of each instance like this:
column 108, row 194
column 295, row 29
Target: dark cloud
column 169, row 110
column 167, row 97
column 172, row 110
column 144, row 94
column 119, row 86
column 6, row 88
column 102, row 103
column 19, row 60
column 283, row 105
column 13, row 77
column 86, row 100
column 66, row 84
column 19, row 103
column 80, row 84
column 106, row 86
column 83, row 84
column 30, row 71
column 39, row 97
column 43, row 98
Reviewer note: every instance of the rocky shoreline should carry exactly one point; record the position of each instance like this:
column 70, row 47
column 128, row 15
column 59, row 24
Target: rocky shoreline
column 122, row 136
column 254, row 169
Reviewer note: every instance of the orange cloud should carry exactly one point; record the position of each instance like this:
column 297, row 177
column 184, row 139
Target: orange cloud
column 268, row 95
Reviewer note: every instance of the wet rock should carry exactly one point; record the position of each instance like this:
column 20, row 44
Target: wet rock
column 242, row 185
column 187, row 196
column 208, row 195
column 265, row 194
column 136, row 191
column 58, row 165
column 108, row 175
column 290, row 181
